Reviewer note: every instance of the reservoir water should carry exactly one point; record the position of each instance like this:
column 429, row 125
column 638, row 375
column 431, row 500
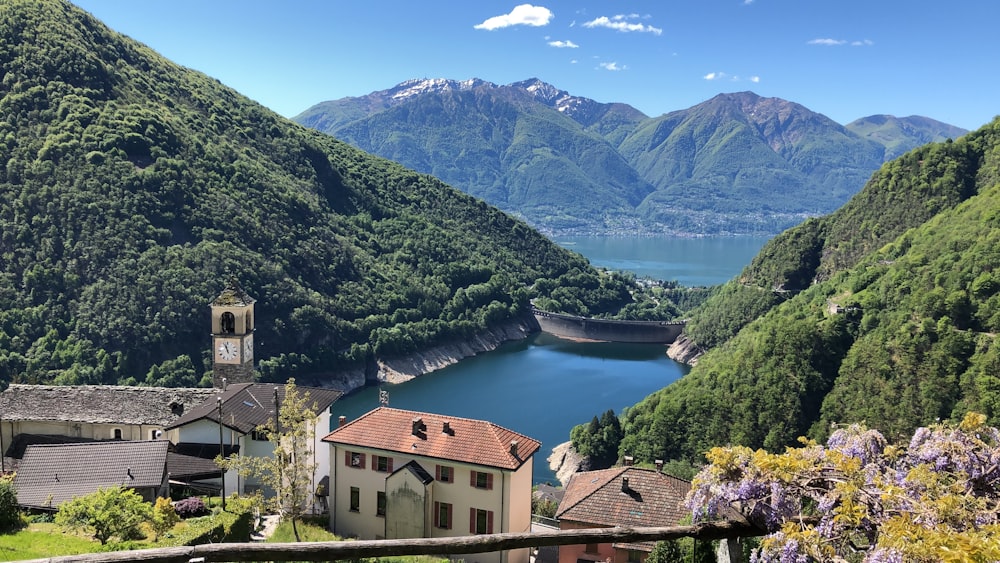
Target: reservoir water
column 543, row 386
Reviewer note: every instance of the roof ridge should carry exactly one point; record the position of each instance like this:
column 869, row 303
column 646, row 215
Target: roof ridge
column 490, row 423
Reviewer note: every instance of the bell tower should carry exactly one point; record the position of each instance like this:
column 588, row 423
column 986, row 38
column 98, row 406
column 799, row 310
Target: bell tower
column 232, row 336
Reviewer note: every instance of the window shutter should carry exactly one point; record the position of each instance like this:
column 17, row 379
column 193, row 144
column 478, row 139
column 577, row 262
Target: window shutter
column 437, row 472
column 447, row 509
column 472, row 478
column 389, row 465
column 362, row 461
column 347, row 458
column 489, row 481
column 472, row 520
column 437, row 514
column 489, row 521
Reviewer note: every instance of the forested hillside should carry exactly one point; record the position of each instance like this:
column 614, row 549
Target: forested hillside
column 885, row 312
column 132, row 189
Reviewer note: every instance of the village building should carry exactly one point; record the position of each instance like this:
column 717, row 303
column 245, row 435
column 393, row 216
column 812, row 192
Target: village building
column 229, row 423
column 406, row 474
column 52, row 474
column 33, row 414
column 620, row 496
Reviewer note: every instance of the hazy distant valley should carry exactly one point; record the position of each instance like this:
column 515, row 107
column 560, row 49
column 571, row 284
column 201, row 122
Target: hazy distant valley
column 735, row 164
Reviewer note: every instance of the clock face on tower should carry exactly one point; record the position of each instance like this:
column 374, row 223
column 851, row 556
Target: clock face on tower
column 248, row 348
column 227, row 350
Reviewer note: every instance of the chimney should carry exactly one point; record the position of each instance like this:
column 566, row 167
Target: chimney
column 418, row 425
column 513, row 448
column 627, row 461
column 659, row 465
column 625, row 487
column 341, row 421
column 446, row 428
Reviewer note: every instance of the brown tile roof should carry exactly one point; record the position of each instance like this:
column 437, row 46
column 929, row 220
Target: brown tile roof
column 158, row 406
column 652, row 498
column 51, row 474
column 245, row 406
column 468, row 440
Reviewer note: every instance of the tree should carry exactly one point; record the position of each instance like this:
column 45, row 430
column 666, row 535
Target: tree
column 111, row 512
column 164, row 517
column 10, row 514
column 862, row 499
column 289, row 471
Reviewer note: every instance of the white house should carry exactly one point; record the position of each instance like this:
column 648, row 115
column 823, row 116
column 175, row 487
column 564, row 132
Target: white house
column 404, row 474
column 230, row 423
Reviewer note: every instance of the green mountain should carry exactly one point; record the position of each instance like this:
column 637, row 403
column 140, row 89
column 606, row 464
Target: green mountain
column 902, row 134
column 885, row 311
column 133, row 188
column 736, row 163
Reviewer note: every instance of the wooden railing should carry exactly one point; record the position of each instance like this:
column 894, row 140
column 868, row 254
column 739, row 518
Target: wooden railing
column 339, row 550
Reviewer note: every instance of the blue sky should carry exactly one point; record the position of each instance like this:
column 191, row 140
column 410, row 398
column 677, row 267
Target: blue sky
column 843, row 58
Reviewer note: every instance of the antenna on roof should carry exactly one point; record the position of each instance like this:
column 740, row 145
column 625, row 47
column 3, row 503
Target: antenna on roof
column 383, row 398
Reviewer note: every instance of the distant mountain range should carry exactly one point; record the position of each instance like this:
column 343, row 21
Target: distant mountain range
column 737, row 163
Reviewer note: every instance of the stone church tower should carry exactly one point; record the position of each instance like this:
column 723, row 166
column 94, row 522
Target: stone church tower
column 232, row 336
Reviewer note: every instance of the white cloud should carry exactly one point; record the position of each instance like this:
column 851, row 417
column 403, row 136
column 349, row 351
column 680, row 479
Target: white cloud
column 563, row 44
column 755, row 79
column 621, row 23
column 715, row 76
column 613, row 66
column 524, row 14
column 827, row 41
column 862, row 43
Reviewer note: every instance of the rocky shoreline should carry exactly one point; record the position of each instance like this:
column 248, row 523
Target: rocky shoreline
column 564, row 461
column 398, row 370
column 683, row 350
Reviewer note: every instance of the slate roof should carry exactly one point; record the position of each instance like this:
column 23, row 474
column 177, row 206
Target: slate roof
column 472, row 441
column 51, row 474
column 110, row 404
column 245, row 406
column 185, row 467
column 417, row 470
column 596, row 498
column 233, row 294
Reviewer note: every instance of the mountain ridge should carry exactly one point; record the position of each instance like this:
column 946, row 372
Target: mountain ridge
column 736, row 163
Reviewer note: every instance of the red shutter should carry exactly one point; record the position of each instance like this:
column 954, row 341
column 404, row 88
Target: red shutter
column 472, row 478
column 489, row 481
column 489, row 521
column 447, row 508
column 472, row 520
column 437, row 472
column 347, row 458
column 389, row 466
column 362, row 461
column 437, row 514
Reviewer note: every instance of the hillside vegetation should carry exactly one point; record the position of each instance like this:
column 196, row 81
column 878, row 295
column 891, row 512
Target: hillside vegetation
column 884, row 312
column 132, row 189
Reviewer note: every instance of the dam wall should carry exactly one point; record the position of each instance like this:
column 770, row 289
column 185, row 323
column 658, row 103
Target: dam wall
column 606, row 330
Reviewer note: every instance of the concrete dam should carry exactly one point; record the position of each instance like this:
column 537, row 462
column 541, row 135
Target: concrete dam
column 607, row 330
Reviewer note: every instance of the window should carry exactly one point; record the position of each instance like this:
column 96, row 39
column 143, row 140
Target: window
column 228, row 322
column 354, row 459
column 116, row 433
column 258, row 435
column 480, row 521
column 355, row 499
column 444, row 474
column 442, row 515
column 380, row 504
column 481, row 480
column 635, row 556
column 382, row 464
column 590, row 548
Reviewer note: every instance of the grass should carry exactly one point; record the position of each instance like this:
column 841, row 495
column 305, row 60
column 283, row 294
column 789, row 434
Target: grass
column 43, row 540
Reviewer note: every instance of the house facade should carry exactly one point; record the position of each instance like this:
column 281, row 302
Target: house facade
column 405, row 474
column 230, row 423
column 620, row 496
column 82, row 413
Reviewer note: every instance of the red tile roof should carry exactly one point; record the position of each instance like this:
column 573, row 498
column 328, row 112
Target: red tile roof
column 467, row 440
column 597, row 498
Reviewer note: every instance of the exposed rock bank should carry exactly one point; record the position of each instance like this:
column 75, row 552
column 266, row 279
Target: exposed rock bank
column 398, row 370
column 565, row 461
column 684, row 350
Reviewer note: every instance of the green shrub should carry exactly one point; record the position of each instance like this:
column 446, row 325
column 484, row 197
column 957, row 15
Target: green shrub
column 10, row 514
